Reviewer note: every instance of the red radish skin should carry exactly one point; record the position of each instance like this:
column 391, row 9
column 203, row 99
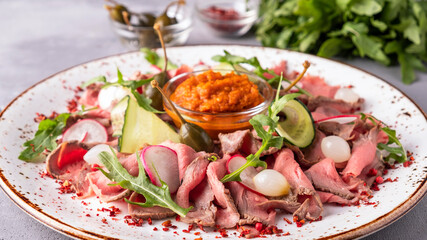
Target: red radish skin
column 91, row 130
column 161, row 162
column 70, row 155
column 84, row 137
column 234, row 163
column 342, row 119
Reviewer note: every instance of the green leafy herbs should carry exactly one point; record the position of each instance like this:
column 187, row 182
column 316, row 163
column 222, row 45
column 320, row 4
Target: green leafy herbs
column 45, row 138
column 268, row 139
column 133, row 86
column 387, row 31
column 236, row 61
column 94, row 80
column 154, row 195
column 394, row 147
column 153, row 58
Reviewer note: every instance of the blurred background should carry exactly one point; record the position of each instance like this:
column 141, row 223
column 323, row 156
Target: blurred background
column 40, row 38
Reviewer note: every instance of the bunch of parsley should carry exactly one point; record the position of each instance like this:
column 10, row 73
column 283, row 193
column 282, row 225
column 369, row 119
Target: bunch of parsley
column 387, row 31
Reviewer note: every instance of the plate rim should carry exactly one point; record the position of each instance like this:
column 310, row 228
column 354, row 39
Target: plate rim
column 75, row 232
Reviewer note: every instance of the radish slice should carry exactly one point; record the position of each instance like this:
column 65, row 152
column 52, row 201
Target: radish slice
column 84, row 137
column 342, row 119
column 161, row 162
column 95, row 132
column 91, row 156
column 247, row 175
column 70, row 153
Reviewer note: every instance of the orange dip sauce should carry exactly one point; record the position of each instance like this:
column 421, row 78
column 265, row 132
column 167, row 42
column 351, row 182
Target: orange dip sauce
column 213, row 92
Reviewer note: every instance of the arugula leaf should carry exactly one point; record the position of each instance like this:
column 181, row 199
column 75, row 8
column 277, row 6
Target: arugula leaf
column 268, row 139
column 393, row 146
column 154, row 195
column 153, row 58
column 397, row 152
column 235, row 62
column 94, row 80
column 45, row 138
column 133, row 86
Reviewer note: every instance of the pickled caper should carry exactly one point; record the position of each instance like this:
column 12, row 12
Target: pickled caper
column 165, row 20
column 116, row 12
column 146, row 19
column 154, row 94
column 196, row 137
column 190, row 133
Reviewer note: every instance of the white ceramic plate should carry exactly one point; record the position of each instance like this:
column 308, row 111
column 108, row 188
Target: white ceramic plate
column 39, row 196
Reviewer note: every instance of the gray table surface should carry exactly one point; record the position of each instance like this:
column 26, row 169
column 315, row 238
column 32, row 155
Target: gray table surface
column 40, row 38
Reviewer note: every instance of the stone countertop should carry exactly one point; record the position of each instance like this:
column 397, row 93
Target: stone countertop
column 40, row 38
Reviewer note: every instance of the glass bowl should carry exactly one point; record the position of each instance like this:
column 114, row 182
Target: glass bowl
column 231, row 18
column 136, row 37
column 215, row 123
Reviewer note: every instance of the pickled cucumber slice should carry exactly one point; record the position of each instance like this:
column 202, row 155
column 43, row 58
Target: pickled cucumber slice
column 298, row 126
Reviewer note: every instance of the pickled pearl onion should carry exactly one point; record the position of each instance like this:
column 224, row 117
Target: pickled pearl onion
column 347, row 95
column 271, row 183
column 336, row 148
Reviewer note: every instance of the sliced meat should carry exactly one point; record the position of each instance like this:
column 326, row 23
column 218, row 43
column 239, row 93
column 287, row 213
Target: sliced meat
column 327, row 197
column 196, row 189
column 247, row 231
column 372, row 171
column 73, row 171
column 204, row 210
column 101, row 184
column 289, row 205
column 242, row 141
column 313, row 153
column 333, row 128
column 194, row 175
column 343, row 107
column 182, row 69
column 325, row 177
column 147, row 212
column 185, row 154
column 311, row 207
column 362, row 154
column 250, row 206
column 90, row 95
column 97, row 113
column 227, row 215
column 238, row 141
column 318, row 87
column 323, row 112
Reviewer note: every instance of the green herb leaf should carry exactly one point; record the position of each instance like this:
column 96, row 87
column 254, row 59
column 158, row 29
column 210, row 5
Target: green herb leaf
column 94, row 80
column 153, row 58
column 268, row 139
column 366, row 7
column 154, row 195
column 350, row 28
column 394, row 147
column 133, row 85
column 235, row 62
column 45, row 138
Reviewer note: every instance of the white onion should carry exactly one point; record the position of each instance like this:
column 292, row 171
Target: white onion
column 91, row 156
column 336, row 148
column 271, row 183
column 108, row 97
column 347, row 95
